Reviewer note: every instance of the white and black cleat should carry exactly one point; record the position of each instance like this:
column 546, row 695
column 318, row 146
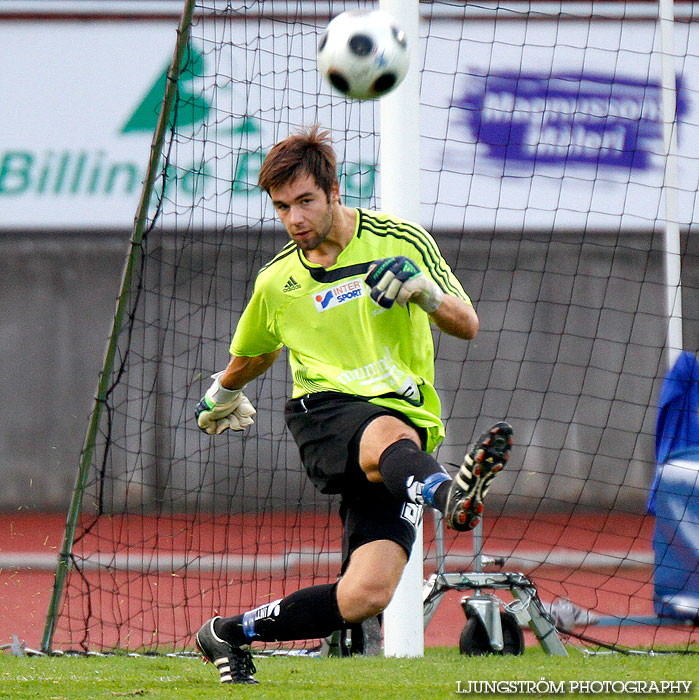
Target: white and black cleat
column 470, row 486
column 234, row 664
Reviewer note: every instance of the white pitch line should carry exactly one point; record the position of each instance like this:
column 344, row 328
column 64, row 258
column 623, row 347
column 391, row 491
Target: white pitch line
column 176, row 563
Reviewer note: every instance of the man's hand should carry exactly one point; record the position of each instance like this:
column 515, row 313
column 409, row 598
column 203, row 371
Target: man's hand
column 400, row 279
column 221, row 409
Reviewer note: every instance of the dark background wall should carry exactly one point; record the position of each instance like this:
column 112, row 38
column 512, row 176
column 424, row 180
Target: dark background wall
column 570, row 350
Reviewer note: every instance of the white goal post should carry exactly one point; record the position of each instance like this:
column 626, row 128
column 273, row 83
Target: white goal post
column 400, row 194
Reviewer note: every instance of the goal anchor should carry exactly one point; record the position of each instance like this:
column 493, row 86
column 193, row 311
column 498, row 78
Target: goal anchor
column 527, row 608
column 485, row 623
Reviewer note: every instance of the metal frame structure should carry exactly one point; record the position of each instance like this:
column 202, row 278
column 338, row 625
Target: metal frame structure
column 527, row 607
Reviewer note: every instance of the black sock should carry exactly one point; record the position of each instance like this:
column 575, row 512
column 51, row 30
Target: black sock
column 440, row 496
column 410, row 473
column 311, row 613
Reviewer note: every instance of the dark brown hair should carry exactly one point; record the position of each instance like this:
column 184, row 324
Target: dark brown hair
column 309, row 152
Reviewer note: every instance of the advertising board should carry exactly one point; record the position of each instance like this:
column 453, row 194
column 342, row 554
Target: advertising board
column 535, row 124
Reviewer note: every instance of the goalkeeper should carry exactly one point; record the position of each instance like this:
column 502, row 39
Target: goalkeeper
column 351, row 297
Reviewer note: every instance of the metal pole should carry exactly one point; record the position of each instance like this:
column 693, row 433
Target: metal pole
column 478, row 547
column 672, row 255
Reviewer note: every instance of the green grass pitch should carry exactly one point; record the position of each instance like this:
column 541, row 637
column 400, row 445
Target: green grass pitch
column 435, row 676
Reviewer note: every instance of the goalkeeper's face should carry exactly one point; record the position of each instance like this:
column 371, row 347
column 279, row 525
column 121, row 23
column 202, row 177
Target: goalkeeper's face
column 305, row 210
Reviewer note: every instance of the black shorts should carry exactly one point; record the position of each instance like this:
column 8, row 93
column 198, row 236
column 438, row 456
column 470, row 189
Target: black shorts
column 327, row 427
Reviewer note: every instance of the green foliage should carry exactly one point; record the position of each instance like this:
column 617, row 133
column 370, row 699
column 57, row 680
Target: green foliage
column 293, row 678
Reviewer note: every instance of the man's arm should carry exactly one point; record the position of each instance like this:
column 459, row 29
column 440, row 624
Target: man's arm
column 399, row 279
column 241, row 370
column 224, row 406
column 455, row 317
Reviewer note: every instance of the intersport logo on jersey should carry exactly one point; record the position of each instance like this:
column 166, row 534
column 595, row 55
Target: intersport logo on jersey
column 339, row 294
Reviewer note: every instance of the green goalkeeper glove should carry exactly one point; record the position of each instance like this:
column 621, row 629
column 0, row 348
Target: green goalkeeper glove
column 400, row 279
column 221, row 409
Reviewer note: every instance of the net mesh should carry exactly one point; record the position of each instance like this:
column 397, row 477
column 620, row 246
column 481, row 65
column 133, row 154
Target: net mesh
column 542, row 171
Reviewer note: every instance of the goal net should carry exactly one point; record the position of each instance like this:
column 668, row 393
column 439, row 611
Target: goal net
column 542, row 177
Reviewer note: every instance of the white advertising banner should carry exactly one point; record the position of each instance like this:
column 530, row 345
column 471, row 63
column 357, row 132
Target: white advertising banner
column 556, row 125
column 536, row 124
column 67, row 156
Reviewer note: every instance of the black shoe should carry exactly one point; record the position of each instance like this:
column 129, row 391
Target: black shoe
column 470, row 485
column 233, row 663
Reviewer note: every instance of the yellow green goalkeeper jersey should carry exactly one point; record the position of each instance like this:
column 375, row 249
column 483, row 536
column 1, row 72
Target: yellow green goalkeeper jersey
column 338, row 338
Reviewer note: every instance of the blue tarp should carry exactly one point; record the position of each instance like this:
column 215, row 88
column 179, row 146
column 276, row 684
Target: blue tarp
column 674, row 497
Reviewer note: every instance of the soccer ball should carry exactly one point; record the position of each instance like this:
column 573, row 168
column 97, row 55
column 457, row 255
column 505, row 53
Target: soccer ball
column 363, row 54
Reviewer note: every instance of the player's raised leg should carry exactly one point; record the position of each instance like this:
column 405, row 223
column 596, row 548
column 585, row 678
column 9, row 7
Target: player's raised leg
column 390, row 453
column 470, row 486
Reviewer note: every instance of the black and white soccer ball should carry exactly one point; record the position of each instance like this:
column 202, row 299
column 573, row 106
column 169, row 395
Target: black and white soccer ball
column 363, row 54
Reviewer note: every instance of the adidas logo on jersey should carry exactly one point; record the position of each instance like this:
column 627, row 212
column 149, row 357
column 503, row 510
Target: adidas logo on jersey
column 291, row 285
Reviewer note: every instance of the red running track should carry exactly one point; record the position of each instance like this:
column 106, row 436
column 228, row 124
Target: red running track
column 602, row 563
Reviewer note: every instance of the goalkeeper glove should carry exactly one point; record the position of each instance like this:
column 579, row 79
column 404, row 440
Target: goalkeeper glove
column 400, row 279
column 221, row 408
